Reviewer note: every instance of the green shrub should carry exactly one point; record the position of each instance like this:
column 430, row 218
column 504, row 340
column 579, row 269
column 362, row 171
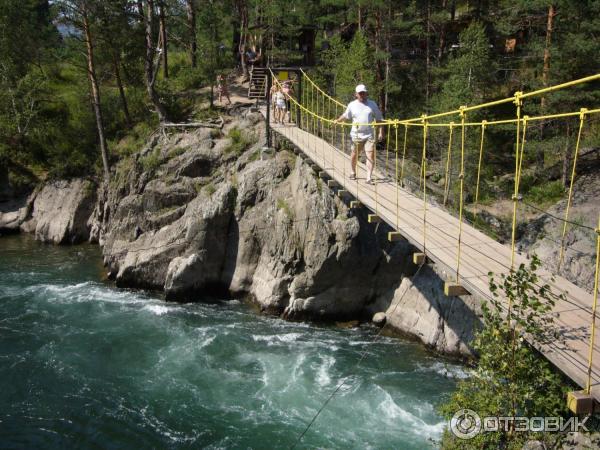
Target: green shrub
column 152, row 161
column 240, row 141
column 511, row 379
column 210, row 189
column 547, row 193
column 282, row 205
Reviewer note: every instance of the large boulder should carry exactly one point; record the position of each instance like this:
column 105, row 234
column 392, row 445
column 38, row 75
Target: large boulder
column 421, row 309
column 60, row 211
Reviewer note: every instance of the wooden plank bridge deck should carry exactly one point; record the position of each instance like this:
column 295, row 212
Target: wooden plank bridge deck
column 480, row 254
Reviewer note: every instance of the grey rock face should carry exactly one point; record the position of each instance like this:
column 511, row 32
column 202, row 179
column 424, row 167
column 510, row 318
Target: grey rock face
column 543, row 236
column 421, row 309
column 60, row 211
column 209, row 221
column 379, row 319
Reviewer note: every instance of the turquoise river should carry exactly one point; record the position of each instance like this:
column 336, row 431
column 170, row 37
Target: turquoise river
column 86, row 365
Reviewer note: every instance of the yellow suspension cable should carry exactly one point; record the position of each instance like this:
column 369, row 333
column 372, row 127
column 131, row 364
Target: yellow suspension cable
column 423, row 164
column 387, row 149
column 461, row 177
column 582, row 114
column 403, row 154
column 373, row 175
column 588, row 387
column 522, row 150
column 483, row 123
column 324, row 93
column 397, row 181
column 518, row 102
column 447, row 179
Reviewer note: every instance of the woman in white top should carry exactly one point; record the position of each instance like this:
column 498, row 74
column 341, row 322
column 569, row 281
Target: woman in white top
column 280, row 106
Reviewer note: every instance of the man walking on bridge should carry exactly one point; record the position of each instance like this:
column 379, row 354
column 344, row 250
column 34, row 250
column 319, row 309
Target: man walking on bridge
column 362, row 112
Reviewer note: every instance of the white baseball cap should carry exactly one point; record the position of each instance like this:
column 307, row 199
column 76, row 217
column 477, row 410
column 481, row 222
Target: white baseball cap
column 360, row 88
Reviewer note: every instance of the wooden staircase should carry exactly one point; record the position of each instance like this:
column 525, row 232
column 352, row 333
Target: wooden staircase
column 258, row 83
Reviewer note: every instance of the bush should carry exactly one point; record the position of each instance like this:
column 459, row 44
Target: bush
column 547, row 193
column 152, row 161
column 240, row 141
column 511, row 378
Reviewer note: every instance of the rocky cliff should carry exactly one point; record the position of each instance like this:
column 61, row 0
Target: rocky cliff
column 208, row 212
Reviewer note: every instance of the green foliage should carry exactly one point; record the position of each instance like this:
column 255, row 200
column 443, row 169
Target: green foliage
column 210, row 189
column 133, row 141
column 350, row 65
column 511, row 378
column 282, row 205
column 240, row 141
column 467, row 75
column 546, row 194
column 152, row 161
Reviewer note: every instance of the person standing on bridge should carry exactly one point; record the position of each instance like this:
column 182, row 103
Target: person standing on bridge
column 362, row 112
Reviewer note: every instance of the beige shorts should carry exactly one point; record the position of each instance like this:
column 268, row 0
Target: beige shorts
column 358, row 146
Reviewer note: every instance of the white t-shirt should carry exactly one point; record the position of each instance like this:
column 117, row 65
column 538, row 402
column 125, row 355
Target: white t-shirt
column 362, row 113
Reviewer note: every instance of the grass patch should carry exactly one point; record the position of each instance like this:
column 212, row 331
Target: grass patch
column 240, row 141
column 175, row 152
column 133, row 141
column 545, row 194
column 152, row 161
column 210, row 189
column 320, row 185
column 282, row 205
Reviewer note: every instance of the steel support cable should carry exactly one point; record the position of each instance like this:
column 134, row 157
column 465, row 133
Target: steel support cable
column 570, row 196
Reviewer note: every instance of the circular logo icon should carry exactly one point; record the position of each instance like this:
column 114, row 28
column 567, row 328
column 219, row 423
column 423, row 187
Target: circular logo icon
column 465, row 424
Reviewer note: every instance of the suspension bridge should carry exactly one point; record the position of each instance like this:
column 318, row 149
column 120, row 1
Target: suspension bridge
column 464, row 253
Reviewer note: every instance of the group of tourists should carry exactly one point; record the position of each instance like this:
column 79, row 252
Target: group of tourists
column 280, row 101
column 361, row 111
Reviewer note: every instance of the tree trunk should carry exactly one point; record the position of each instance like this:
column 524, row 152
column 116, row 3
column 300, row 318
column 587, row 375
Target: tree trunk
column 121, row 90
column 140, row 8
column 546, row 76
column 388, row 51
column 359, row 18
column 243, row 13
column 380, row 67
column 150, row 66
column 191, row 17
column 442, row 35
column 95, row 92
column 163, row 38
column 546, row 68
column 427, row 56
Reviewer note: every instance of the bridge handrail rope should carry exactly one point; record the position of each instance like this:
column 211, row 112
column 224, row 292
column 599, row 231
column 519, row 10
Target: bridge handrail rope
column 588, row 387
column 417, row 120
column 304, row 74
column 520, row 121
